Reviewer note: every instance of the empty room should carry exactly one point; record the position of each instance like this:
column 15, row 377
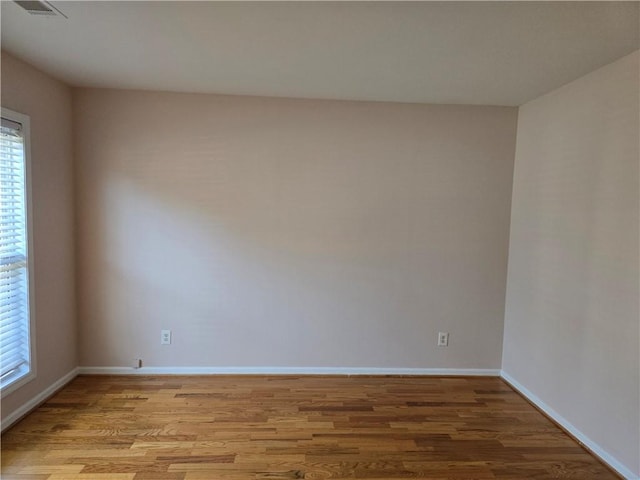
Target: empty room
column 320, row 240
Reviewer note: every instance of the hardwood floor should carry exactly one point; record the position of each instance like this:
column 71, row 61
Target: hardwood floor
column 287, row 427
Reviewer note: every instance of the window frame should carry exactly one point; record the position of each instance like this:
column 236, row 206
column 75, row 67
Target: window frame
column 22, row 379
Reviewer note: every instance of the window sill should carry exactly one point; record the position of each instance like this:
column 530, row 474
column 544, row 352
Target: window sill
column 15, row 381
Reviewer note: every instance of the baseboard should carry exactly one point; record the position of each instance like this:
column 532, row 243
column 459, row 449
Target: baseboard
column 287, row 371
column 24, row 409
column 592, row 446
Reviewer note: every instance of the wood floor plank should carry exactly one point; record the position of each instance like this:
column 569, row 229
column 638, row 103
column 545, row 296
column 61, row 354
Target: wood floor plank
column 285, row 427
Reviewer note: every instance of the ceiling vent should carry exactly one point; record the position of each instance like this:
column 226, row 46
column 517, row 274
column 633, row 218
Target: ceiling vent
column 37, row 7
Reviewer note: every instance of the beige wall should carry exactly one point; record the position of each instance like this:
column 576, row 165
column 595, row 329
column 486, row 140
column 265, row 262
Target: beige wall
column 48, row 103
column 571, row 328
column 275, row 232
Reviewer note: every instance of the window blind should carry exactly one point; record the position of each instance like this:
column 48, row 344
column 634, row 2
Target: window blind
column 14, row 295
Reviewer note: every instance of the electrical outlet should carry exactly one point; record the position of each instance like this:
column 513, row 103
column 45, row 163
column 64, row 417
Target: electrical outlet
column 165, row 337
column 443, row 339
column 137, row 363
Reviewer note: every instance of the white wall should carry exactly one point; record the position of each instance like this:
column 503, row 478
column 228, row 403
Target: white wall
column 572, row 318
column 275, row 232
column 48, row 103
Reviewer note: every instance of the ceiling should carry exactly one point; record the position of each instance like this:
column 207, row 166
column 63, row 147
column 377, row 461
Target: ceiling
column 491, row 53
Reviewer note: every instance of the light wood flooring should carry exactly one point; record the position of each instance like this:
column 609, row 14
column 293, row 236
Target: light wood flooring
column 288, row 427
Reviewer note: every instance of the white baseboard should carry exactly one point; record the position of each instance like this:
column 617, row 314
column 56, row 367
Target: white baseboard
column 25, row 408
column 581, row 437
column 287, row 371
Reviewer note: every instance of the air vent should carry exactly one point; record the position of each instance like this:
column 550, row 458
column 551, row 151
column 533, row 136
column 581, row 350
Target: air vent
column 36, row 7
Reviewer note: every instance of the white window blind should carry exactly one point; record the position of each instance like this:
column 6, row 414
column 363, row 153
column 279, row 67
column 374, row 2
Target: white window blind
column 14, row 284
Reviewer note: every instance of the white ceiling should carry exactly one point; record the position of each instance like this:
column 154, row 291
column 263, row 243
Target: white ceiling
column 493, row 53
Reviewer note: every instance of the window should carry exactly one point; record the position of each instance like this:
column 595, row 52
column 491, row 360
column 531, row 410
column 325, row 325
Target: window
column 16, row 314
